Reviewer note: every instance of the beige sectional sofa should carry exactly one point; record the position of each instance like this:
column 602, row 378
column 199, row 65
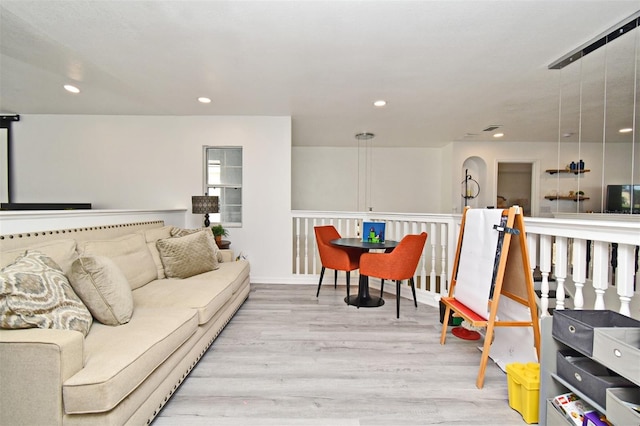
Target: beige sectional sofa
column 122, row 373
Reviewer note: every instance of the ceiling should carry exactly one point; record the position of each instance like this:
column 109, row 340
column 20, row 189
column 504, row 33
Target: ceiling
column 448, row 69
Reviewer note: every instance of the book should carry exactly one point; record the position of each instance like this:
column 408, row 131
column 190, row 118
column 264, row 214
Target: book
column 595, row 419
column 572, row 407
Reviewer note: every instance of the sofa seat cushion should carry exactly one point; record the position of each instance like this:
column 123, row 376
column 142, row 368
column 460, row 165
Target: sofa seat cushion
column 206, row 293
column 118, row 359
column 233, row 273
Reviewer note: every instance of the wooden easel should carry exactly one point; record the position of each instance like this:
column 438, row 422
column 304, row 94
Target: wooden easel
column 513, row 280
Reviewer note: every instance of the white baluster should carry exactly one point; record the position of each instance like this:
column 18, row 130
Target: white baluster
column 443, row 268
column 600, row 272
column 313, row 248
column 532, row 247
column 545, row 269
column 560, row 270
column 306, row 245
column 579, row 272
column 624, row 276
column 423, row 261
column 432, row 276
column 298, row 246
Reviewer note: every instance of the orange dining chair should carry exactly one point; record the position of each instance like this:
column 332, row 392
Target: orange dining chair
column 398, row 265
column 336, row 258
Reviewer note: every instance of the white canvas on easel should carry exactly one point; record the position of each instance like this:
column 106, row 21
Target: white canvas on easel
column 477, row 258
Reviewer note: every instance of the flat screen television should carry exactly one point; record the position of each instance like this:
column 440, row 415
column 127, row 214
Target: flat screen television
column 623, row 199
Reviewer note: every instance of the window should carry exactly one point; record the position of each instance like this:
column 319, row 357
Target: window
column 223, row 177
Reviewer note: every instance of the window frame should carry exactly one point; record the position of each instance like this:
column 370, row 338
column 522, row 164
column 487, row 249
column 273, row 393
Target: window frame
column 223, row 216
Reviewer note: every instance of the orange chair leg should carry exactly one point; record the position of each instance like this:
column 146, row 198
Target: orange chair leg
column 381, row 288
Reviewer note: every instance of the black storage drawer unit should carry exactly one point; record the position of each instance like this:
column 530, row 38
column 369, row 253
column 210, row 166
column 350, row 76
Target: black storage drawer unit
column 588, row 376
column 575, row 328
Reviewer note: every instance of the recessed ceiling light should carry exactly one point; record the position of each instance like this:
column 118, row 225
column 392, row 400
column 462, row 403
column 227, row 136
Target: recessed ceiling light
column 498, row 135
column 380, row 103
column 70, row 88
column 626, row 130
column 204, row 100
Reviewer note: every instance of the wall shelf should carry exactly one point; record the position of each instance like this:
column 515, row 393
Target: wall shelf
column 554, row 171
column 561, row 197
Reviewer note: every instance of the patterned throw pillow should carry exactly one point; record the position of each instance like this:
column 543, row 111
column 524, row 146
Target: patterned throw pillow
column 181, row 232
column 34, row 293
column 190, row 255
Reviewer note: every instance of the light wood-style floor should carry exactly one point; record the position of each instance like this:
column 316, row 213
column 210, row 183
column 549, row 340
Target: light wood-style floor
column 289, row 358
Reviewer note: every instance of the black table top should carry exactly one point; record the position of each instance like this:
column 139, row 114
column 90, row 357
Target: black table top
column 358, row 243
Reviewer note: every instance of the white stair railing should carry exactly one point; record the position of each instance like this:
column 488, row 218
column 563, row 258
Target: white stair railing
column 593, row 262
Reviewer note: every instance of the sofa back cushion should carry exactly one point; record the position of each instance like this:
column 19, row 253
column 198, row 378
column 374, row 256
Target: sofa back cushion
column 151, row 236
column 103, row 288
column 63, row 252
column 189, row 255
column 129, row 252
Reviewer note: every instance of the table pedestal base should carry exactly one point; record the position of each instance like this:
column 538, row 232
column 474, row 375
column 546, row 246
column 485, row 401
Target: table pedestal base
column 369, row 302
column 364, row 299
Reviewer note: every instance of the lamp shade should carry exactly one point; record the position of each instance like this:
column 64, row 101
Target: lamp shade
column 204, row 204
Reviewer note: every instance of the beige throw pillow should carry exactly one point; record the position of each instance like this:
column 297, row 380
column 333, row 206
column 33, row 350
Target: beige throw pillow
column 103, row 288
column 34, row 293
column 189, row 255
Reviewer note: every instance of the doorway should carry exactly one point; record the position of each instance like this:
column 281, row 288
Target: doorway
column 515, row 185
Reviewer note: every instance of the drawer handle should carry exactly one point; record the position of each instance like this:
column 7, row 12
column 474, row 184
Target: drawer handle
column 577, row 376
column 572, row 329
column 617, row 353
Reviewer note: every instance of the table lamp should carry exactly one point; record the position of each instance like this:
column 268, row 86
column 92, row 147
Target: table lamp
column 204, row 204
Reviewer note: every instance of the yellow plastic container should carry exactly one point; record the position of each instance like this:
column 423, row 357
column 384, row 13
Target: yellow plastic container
column 524, row 389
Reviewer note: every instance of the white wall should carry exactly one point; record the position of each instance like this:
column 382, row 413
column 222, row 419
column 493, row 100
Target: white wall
column 138, row 162
column 407, row 180
column 324, row 178
column 428, row 180
column 616, row 163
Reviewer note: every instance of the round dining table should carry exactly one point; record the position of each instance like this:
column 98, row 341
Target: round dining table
column 364, row 298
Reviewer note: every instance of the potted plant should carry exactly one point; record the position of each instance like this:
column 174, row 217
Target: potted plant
column 219, row 232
